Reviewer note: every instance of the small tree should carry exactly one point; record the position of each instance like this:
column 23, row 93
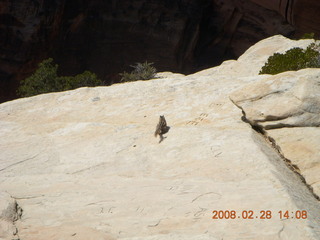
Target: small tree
column 45, row 79
column 142, row 71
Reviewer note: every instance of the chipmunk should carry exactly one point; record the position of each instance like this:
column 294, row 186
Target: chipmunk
column 161, row 128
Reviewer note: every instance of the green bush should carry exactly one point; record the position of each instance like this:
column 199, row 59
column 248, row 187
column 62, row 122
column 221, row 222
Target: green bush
column 308, row 36
column 142, row 71
column 293, row 60
column 85, row 79
column 45, row 79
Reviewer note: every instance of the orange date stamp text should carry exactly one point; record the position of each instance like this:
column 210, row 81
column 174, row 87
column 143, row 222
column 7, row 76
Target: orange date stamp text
column 263, row 214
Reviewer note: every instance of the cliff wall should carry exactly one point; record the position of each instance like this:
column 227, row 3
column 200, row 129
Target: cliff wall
column 107, row 37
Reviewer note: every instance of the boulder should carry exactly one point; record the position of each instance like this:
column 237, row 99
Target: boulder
column 289, row 99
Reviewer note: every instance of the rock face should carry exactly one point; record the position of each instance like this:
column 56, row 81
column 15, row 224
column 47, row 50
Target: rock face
column 304, row 15
column 84, row 164
column 107, row 37
column 263, row 101
column 287, row 106
column 28, row 32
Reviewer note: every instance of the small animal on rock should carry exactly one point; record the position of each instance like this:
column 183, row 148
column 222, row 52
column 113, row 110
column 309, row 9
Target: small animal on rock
column 161, row 128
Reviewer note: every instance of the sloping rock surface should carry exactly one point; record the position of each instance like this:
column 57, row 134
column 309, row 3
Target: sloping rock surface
column 290, row 99
column 84, row 164
column 287, row 106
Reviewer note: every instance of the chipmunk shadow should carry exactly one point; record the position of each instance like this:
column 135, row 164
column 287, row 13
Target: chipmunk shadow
column 164, row 131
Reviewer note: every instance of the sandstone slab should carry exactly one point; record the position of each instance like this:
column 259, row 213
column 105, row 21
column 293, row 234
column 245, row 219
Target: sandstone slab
column 302, row 147
column 287, row 105
column 290, row 99
column 84, row 164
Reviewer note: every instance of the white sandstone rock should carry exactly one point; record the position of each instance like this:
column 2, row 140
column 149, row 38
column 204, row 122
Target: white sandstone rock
column 84, row 164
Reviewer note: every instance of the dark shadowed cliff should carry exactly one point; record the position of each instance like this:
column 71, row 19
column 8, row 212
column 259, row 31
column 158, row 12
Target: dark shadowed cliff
column 108, row 36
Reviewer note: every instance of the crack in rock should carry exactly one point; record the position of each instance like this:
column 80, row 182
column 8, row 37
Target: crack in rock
column 22, row 161
column 287, row 161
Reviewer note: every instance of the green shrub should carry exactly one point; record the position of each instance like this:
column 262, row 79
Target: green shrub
column 142, row 71
column 45, row 79
column 292, row 60
column 85, row 79
column 308, row 36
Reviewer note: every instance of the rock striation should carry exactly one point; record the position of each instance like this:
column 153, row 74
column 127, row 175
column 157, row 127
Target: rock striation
column 84, row 164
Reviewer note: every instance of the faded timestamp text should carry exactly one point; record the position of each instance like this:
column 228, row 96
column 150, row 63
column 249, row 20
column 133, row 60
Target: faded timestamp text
column 263, row 214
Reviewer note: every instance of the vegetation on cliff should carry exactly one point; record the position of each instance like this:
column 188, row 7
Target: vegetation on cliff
column 45, row 79
column 293, row 60
column 142, row 71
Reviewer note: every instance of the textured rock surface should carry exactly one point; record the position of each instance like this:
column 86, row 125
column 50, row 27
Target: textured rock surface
column 302, row 147
column 84, row 164
column 287, row 105
column 290, row 99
